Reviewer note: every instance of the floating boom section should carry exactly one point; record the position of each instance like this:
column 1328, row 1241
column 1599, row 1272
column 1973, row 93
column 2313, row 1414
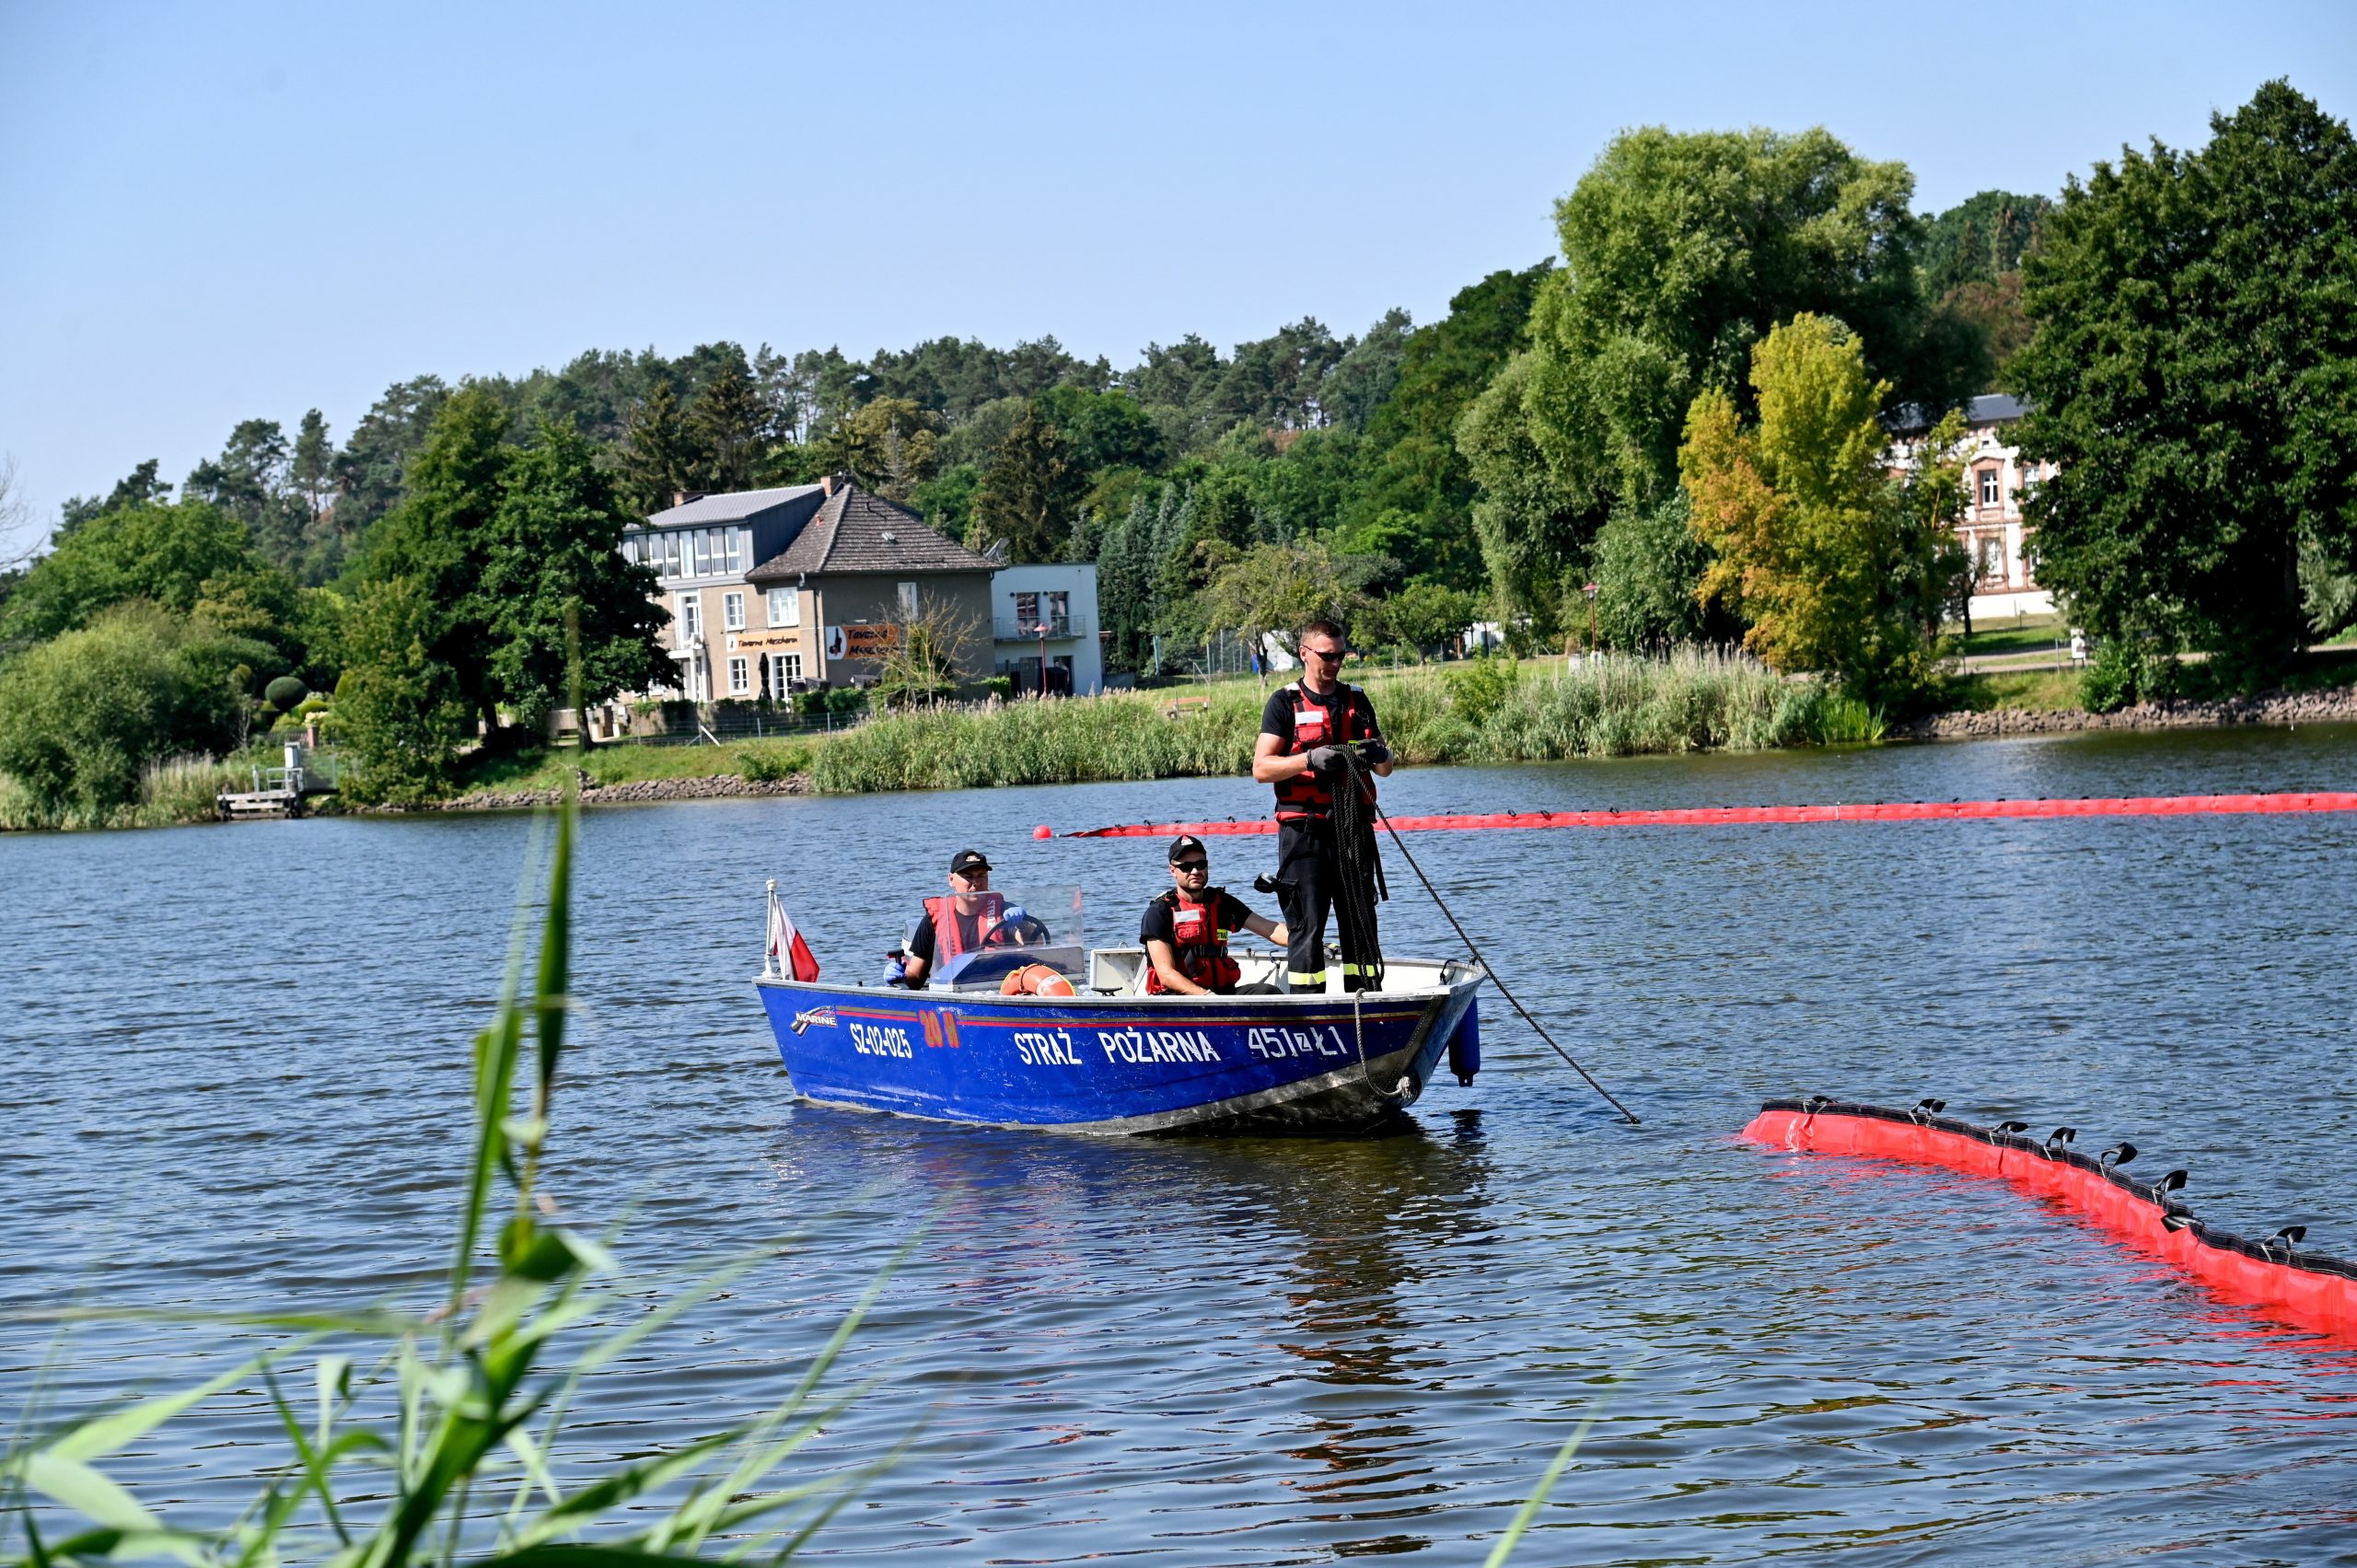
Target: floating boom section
column 1738, row 816
column 2307, row 1288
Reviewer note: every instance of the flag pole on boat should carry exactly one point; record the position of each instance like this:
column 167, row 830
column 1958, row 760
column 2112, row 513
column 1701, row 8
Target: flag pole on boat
column 1354, row 764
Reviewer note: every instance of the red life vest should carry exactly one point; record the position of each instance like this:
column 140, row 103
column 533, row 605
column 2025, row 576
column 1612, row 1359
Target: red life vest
column 1197, row 943
column 943, row 911
column 1306, row 794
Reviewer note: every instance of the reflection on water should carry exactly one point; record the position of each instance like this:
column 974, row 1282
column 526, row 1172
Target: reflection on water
column 1244, row 1351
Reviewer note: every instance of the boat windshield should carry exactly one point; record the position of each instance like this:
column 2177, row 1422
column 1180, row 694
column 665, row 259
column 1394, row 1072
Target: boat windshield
column 1039, row 915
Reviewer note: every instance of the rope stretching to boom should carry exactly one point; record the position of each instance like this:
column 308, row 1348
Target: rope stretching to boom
column 1349, row 790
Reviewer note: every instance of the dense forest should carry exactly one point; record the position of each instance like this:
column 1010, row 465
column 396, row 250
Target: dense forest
column 1677, row 429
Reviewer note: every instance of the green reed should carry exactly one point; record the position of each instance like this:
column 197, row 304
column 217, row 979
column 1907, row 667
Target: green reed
column 1480, row 711
column 432, row 1431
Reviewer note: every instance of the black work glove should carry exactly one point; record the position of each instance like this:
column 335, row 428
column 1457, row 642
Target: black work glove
column 1324, row 758
column 1373, row 751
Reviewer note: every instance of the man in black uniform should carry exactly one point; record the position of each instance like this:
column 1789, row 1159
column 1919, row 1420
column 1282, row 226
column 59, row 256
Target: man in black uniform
column 1304, row 731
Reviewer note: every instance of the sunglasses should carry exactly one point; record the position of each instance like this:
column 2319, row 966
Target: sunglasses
column 1339, row 654
column 1190, row 866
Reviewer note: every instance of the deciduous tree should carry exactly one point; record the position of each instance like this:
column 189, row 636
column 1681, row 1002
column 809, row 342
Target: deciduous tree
column 1832, row 565
column 553, row 554
column 2194, row 373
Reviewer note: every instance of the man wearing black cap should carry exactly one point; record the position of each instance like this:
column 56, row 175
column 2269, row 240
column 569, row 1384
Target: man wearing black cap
column 955, row 923
column 1186, row 930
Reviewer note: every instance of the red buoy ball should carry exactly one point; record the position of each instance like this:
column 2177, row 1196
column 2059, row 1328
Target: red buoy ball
column 1042, row 832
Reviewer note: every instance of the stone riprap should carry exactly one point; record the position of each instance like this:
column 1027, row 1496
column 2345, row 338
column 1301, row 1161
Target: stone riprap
column 713, row 787
column 2337, row 705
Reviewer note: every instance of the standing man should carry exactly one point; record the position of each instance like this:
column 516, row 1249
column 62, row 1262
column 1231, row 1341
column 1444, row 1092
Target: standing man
column 1304, row 731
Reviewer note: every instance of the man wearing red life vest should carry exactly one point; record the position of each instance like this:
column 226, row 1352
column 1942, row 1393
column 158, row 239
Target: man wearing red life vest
column 955, row 923
column 1304, row 731
column 1186, row 930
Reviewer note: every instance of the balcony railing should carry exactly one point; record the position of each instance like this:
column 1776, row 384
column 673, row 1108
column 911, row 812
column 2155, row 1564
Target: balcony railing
column 1008, row 630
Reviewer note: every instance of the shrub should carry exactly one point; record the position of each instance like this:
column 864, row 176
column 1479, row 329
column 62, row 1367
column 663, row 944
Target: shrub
column 82, row 715
column 284, row 692
column 2109, row 682
column 1479, row 686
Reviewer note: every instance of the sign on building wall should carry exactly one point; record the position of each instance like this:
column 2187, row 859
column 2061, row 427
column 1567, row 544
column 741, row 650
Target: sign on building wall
column 758, row 641
column 862, row 641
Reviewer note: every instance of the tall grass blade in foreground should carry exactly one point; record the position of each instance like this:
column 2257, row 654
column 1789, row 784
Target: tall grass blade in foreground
column 446, row 1442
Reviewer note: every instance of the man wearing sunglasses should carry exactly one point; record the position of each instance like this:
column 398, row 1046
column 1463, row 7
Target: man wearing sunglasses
column 1305, row 730
column 1186, row 930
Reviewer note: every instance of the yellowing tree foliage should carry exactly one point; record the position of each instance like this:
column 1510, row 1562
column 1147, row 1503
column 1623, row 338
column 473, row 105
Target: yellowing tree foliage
column 1830, row 563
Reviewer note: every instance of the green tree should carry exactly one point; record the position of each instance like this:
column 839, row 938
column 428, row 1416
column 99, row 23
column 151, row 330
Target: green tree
column 1273, row 587
column 889, row 446
column 81, row 714
column 312, row 467
column 2194, row 373
column 727, row 425
column 1681, row 252
column 1424, row 616
column 138, row 488
column 1648, row 567
column 371, row 470
column 1028, row 493
column 400, row 709
column 553, row 550
column 1364, row 379
column 439, row 538
column 250, row 482
column 1529, row 523
column 656, row 456
column 171, row 555
column 1413, row 493
column 1830, row 564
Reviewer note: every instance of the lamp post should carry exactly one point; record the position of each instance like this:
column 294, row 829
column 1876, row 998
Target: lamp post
column 1590, row 591
column 1042, row 630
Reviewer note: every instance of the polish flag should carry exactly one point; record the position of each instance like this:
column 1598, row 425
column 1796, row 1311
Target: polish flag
column 787, row 947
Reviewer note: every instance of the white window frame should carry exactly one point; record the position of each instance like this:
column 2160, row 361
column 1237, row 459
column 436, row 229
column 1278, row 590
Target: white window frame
column 908, row 594
column 786, row 605
column 691, row 616
column 1991, row 488
column 792, row 663
column 732, row 611
column 740, row 675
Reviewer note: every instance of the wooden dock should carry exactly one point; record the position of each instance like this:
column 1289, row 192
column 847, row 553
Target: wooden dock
column 279, row 792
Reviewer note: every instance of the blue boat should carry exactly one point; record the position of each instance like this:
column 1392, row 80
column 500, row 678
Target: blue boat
column 1111, row 1058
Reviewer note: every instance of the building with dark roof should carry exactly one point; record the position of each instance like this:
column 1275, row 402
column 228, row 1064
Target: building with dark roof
column 772, row 591
column 865, row 569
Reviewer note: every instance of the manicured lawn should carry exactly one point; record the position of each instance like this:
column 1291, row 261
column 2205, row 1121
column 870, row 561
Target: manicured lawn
column 2028, row 634
column 2029, row 691
column 546, row 768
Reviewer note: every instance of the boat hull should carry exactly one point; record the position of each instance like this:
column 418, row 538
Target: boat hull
column 1119, row 1064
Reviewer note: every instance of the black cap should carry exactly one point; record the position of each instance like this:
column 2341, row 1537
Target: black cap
column 1188, row 844
column 967, row 860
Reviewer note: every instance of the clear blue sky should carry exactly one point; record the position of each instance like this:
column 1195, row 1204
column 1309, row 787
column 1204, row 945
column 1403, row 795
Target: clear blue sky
column 218, row 212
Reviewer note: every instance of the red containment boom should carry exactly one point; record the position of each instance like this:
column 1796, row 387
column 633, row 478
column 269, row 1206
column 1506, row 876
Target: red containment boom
column 1737, row 815
column 2307, row 1288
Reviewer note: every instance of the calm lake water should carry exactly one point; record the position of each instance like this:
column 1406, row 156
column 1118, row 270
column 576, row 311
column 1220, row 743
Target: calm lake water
column 232, row 1069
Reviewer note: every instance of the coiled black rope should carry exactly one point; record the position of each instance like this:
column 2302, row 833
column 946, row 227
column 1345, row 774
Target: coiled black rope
column 1362, row 884
column 1364, row 805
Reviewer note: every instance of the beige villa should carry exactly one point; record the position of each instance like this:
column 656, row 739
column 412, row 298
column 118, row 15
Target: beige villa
column 774, row 591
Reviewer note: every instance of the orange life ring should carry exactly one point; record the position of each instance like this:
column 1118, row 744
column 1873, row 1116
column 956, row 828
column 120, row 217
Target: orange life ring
column 1036, row 979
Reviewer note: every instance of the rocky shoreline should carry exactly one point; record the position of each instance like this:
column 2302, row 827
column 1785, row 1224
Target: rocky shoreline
column 713, row 787
column 2337, row 705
